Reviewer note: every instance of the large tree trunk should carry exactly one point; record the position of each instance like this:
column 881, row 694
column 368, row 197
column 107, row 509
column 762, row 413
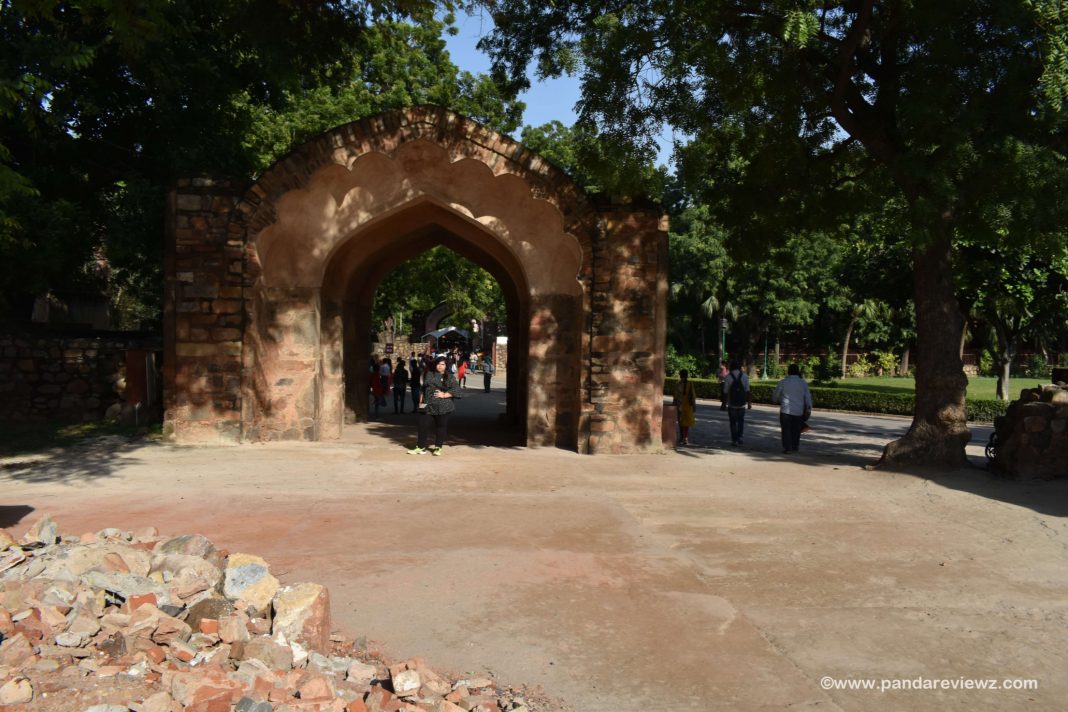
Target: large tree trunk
column 903, row 369
column 939, row 430
column 845, row 344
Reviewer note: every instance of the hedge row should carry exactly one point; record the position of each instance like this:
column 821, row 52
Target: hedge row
column 978, row 409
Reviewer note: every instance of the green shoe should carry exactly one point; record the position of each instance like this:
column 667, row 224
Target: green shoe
column 437, row 451
column 417, row 451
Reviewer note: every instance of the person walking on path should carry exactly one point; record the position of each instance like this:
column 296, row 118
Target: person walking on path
column 440, row 389
column 461, row 372
column 487, row 371
column 736, row 399
column 400, row 387
column 795, row 406
column 415, row 383
column 685, row 400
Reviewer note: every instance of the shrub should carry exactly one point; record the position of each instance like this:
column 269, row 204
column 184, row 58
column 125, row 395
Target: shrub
column 776, row 369
column 986, row 363
column 885, row 362
column 861, row 367
column 1036, row 367
column 829, row 368
column 675, row 362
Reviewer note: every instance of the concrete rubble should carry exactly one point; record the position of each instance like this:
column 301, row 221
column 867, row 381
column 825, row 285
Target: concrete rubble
column 150, row 623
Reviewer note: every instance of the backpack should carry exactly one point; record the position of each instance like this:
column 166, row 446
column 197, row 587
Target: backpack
column 736, row 393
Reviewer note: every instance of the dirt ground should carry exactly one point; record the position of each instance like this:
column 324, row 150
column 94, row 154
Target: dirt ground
column 705, row 579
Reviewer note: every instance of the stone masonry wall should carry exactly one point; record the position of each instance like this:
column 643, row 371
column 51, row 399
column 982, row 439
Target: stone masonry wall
column 622, row 408
column 203, row 314
column 1033, row 434
column 70, row 378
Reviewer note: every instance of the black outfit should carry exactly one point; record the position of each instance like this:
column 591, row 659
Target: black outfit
column 437, row 409
column 400, row 388
column 791, row 431
column 416, row 387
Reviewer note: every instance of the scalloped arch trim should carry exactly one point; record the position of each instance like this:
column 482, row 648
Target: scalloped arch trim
column 338, row 200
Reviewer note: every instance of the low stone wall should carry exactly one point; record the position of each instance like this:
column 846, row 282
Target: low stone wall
column 1033, row 434
column 65, row 377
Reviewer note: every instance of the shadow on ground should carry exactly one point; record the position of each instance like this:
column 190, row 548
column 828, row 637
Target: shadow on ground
column 87, row 460
column 12, row 514
column 853, row 440
column 479, row 422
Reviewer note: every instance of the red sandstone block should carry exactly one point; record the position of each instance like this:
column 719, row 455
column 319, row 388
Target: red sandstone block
column 280, row 694
column 137, row 600
column 356, row 706
column 155, row 654
column 209, row 626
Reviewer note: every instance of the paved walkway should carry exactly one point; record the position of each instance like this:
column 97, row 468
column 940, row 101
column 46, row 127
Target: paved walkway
column 706, row 579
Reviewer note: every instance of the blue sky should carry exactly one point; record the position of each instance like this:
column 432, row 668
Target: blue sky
column 552, row 99
column 546, row 101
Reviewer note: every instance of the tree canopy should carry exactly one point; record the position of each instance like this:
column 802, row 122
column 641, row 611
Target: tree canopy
column 104, row 104
column 795, row 109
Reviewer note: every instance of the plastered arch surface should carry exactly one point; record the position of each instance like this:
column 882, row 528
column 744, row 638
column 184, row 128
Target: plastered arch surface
column 315, row 221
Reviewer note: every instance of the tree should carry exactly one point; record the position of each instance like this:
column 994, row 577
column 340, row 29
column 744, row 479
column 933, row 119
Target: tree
column 104, row 104
column 1019, row 292
column 440, row 276
column 925, row 99
column 399, row 64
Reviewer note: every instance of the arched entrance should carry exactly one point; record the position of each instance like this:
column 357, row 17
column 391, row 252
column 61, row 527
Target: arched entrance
column 269, row 290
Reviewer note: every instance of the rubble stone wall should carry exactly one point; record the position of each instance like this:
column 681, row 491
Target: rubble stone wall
column 203, row 313
column 70, row 378
column 1033, row 434
column 627, row 321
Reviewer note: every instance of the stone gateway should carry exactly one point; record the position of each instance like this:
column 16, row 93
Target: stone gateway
column 269, row 287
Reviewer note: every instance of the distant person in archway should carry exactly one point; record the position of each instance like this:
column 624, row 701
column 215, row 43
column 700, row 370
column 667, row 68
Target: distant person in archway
column 686, row 401
column 487, row 370
column 440, row 389
column 415, row 381
column 400, row 386
column 461, row 372
column 795, row 406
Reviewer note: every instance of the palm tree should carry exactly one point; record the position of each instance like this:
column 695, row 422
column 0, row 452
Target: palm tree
column 867, row 309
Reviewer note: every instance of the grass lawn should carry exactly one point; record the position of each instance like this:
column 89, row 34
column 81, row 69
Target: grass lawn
column 978, row 386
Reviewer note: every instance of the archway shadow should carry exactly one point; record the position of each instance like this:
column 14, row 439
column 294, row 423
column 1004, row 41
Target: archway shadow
column 855, row 440
column 86, row 461
column 479, row 422
column 10, row 515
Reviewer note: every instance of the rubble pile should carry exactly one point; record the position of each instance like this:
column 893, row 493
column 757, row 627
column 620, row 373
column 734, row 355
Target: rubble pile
column 133, row 620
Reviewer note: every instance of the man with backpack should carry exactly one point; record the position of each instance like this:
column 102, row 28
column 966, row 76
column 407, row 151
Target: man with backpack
column 736, row 400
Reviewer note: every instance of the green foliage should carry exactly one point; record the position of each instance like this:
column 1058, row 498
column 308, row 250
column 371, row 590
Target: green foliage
column 435, row 277
column 1036, row 367
column 861, row 367
column 398, row 64
column 1052, row 18
column 675, row 362
column 103, row 104
column 986, row 363
column 885, row 363
column 928, row 122
column 828, row 368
